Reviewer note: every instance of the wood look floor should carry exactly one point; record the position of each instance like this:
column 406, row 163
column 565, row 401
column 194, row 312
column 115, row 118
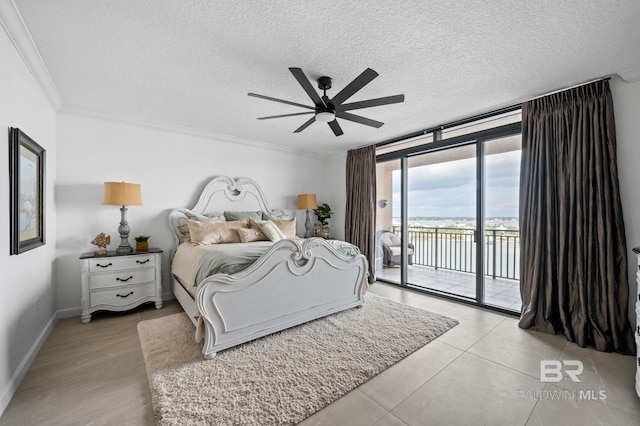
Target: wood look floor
column 483, row 371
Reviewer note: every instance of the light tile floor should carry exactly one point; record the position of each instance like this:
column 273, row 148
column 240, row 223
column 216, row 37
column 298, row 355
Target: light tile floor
column 485, row 371
column 499, row 292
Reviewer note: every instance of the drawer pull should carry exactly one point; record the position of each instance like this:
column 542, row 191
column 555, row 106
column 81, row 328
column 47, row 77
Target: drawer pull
column 143, row 262
column 104, row 266
column 124, row 279
column 123, row 296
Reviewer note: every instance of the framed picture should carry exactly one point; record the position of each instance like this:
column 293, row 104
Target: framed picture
column 26, row 176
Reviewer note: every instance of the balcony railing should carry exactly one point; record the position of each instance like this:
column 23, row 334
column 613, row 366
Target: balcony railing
column 455, row 249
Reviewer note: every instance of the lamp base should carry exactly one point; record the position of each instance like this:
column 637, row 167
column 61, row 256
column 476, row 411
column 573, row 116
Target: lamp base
column 307, row 227
column 124, row 250
column 123, row 229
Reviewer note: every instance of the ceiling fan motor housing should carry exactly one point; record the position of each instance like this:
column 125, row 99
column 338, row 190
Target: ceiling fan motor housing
column 324, row 83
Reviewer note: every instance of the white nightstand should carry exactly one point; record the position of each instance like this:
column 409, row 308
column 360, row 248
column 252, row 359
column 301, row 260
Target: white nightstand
column 119, row 282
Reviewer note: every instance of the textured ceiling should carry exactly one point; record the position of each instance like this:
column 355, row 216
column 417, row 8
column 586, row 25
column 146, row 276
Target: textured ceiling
column 192, row 63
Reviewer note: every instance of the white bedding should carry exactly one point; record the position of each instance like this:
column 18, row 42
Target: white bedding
column 193, row 263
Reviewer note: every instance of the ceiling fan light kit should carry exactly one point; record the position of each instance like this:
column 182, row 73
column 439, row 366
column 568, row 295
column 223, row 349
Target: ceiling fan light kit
column 325, row 116
column 327, row 110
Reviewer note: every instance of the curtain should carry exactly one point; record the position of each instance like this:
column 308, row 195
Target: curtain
column 573, row 250
column 361, row 203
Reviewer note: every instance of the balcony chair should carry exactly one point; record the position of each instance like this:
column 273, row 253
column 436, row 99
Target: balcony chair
column 391, row 247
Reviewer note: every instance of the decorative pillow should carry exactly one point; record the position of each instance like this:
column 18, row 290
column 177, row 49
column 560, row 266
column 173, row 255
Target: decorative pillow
column 229, row 216
column 288, row 227
column 249, row 235
column 270, row 230
column 215, row 232
column 276, row 215
column 390, row 239
column 183, row 229
column 213, row 216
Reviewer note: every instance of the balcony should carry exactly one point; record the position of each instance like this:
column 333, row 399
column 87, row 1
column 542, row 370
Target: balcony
column 444, row 259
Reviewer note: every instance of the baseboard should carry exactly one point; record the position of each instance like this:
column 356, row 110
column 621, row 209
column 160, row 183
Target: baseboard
column 22, row 369
column 69, row 312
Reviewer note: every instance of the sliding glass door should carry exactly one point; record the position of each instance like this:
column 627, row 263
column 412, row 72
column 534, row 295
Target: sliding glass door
column 501, row 223
column 447, row 214
column 441, row 220
column 388, row 222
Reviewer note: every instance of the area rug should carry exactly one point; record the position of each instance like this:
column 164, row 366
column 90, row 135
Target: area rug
column 282, row 378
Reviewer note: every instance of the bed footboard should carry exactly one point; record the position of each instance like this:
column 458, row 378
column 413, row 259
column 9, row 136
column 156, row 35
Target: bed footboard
column 294, row 282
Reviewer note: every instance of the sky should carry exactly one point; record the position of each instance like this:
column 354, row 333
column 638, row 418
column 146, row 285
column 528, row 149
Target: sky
column 448, row 189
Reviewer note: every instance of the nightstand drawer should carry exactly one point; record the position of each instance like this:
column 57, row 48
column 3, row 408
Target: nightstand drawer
column 120, row 278
column 117, row 263
column 122, row 296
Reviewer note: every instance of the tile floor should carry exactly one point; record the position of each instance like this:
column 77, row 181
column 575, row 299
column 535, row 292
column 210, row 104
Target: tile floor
column 485, row 371
column 499, row 292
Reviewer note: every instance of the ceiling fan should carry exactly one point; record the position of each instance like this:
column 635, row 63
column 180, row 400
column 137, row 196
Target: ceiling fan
column 328, row 110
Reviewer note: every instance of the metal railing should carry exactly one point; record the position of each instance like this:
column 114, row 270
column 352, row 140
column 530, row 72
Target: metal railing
column 455, row 249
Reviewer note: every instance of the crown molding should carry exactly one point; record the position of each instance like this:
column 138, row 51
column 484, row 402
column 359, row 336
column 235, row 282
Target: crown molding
column 630, row 75
column 16, row 29
column 184, row 130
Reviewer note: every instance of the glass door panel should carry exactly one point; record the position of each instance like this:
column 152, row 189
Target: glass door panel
column 441, row 220
column 388, row 221
column 501, row 221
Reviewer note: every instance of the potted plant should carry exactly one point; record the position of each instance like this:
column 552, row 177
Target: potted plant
column 142, row 243
column 323, row 213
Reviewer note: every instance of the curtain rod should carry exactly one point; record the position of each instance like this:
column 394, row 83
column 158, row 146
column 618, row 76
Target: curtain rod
column 477, row 117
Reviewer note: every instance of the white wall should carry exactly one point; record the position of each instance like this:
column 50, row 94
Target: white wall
column 172, row 168
column 334, row 193
column 26, row 277
column 626, row 103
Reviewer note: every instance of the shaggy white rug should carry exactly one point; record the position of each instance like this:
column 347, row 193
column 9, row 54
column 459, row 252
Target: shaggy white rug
column 282, row 378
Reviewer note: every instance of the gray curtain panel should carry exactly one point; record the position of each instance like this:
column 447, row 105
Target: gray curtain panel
column 360, row 212
column 573, row 249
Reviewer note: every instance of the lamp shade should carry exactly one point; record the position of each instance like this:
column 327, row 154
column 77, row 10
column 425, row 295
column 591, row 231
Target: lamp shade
column 307, row 201
column 122, row 194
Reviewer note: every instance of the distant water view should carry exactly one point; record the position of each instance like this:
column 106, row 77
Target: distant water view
column 499, row 223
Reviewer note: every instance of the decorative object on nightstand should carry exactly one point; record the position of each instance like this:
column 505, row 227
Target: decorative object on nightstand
column 102, row 241
column 122, row 194
column 119, row 282
column 323, row 213
column 307, row 202
column 142, row 243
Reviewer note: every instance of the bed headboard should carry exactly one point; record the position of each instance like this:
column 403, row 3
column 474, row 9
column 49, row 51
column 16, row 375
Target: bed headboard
column 223, row 193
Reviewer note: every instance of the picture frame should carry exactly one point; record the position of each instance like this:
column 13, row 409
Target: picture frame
column 26, row 193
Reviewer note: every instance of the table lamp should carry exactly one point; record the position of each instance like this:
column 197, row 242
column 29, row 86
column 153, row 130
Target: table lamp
column 122, row 194
column 307, row 202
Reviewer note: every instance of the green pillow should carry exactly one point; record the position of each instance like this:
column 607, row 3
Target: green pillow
column 232, row 216
column 213, row 216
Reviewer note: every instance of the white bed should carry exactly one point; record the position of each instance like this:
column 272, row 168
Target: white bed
column 296, row 281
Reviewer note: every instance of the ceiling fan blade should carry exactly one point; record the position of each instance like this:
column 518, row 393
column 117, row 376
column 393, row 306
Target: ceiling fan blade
column 357, row 84
column 269, row 98
column 359, row 119
column 305, row 125
column 306, row 85
column 337, row 130
column 373, row 102
column 285, row 115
